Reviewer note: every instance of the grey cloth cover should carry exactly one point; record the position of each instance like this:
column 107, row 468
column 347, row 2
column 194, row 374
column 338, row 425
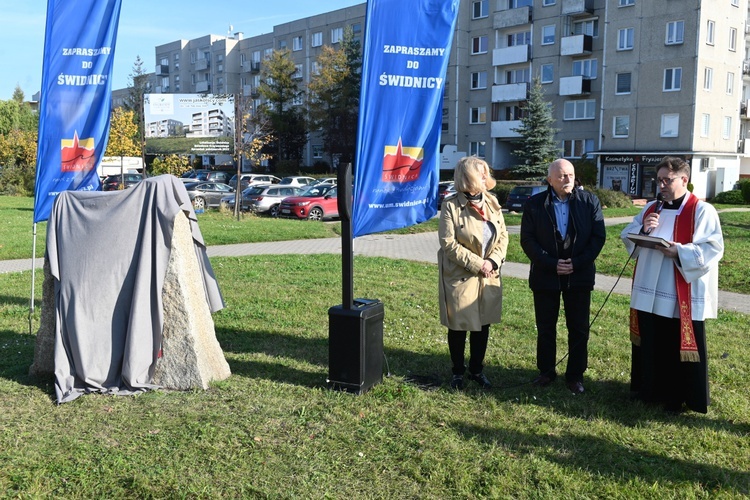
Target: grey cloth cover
column 108, row 253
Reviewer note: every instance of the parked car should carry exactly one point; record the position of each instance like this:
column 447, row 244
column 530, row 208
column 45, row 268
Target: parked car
column 113, row 182
column 297, row 180
column 253, row 179
column 326, row 180
column 204, row 175
column 263, row 198
column 446, row 189
column 207, row 194
column 519, row 194
column 315, row 203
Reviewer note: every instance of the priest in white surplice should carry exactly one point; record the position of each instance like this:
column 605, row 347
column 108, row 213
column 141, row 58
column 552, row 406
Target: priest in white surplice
column 674, row 290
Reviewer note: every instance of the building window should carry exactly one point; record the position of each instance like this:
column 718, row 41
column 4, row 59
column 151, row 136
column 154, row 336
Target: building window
column 733, row 39
column 317, row 39
column 582, row 109
column 256, row 56
column 480, row 9
column 621, row 126
column 268, row 53
column 576, row 148
column 625, row 3
column 337, row 34
column 675, row 33
column 547, row 3
column 730, row 83
column 585, row 67
column 548, row 34
column 625, row 39
column 623, row 83
column 736, row 3
column 476, row 149
column 315, row 68
column 478, row 115
column 672, row 79
column 282, row 44
column 726, row 130
column 588, row 27
column 517, row 4
column 297, row 71
column 356, row 28
column 297, row 43
column 547, row 73
column 708, row 78
column 710, row 29
column 522, row 38
column 317, row 151
column 479, row 80
column 479, row 45
column 670, row 125
column 518, row 76
column 705, row 125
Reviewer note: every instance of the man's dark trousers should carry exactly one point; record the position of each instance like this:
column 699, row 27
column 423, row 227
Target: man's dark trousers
column 577, row 304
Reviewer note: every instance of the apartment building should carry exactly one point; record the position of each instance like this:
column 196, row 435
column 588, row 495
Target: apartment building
column 629, row 81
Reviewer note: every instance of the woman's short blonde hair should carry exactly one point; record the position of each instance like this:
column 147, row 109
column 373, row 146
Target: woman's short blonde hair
column 469, row 173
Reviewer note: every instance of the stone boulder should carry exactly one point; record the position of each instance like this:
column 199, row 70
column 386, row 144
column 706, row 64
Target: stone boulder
column 191, row 355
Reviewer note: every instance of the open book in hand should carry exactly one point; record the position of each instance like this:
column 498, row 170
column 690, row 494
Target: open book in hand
column 646, row 241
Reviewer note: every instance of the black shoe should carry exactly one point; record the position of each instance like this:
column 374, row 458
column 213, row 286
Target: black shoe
column 575, row 387
column 542, row 381
column 481, row 379
column 457, row 382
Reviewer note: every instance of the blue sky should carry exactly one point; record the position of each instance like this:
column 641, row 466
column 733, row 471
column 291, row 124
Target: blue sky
column 144, row 24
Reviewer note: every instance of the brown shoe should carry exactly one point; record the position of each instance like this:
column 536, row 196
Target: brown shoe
column 575, row 387
column 542, row 381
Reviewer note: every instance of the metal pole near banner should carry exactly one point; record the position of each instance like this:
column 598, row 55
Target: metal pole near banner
column 238, row 128
column 33, row 276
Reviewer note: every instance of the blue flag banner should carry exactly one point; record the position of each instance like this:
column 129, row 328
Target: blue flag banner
column 406, row 51
column 79, row 50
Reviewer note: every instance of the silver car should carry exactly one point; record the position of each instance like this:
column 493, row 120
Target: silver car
column 207, row 194
column 266, row 198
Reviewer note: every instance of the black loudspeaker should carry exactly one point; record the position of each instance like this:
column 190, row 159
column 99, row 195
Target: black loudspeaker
column 355, row 346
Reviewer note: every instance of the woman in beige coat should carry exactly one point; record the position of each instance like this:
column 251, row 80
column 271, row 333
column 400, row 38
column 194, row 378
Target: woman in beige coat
column 473, row 244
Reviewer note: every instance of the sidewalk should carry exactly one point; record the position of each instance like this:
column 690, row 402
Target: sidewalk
column 421, row 247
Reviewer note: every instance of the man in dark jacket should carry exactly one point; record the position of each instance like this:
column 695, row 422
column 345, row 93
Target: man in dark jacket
column 562, row 233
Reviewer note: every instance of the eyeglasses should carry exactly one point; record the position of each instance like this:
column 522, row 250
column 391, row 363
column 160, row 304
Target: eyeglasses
column 667, row 181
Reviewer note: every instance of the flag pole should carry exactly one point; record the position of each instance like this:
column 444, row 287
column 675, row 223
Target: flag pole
column 33, row 275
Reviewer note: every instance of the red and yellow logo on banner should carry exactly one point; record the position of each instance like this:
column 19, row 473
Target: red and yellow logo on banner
column 77, row 155
column 402, row 164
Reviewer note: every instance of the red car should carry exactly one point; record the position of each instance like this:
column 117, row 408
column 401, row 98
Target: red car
column 316, row 203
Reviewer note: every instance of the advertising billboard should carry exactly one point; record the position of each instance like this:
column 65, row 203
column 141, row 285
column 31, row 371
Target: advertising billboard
column 189, row 124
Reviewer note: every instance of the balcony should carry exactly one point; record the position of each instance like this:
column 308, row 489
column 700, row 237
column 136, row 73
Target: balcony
column 512, row 17
column 510, row 92
column 575, row 85
column 202, row 64
column 162, row 69
column 576, row 45
column 250, row 90
column 744, row 146
column 577, row 7
column 745, row 110
column 202, row 87
column 746, row 68
column 511, row 55
column 503, row 130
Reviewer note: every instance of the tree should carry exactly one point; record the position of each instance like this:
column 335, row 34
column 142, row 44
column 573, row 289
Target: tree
column 283, row 97
column 123, row 134
column 334, row 97
column 137, row 87
column 538, row 146
column 171, row 164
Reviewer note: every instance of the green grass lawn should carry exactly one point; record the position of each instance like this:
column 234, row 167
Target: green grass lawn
column 273, row 429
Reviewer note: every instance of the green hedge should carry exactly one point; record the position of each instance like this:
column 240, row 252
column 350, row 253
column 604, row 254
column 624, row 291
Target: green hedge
column 733, row 197
column 612, row 199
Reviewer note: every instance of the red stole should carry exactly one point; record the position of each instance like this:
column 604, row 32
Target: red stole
column 684, row 227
